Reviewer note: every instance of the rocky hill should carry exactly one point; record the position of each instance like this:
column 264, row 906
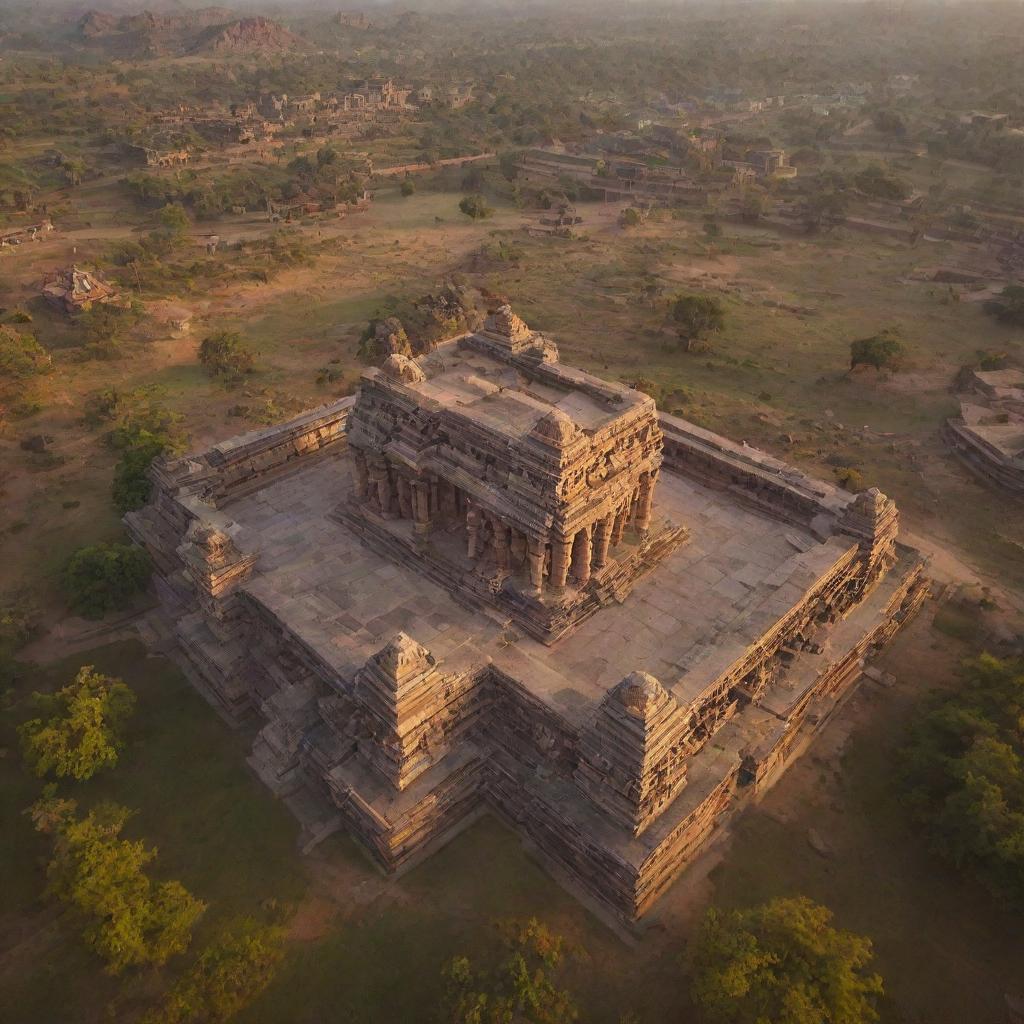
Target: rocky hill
column 215, row 30
column 249, row 35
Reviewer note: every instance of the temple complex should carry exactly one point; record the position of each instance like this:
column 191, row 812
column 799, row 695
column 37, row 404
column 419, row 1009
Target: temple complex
column 988, row 435
column 491, row 582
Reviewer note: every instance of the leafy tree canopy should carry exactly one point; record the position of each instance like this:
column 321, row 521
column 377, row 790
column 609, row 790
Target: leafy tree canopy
column 228, row 975
column 882, row 351
column 475, row 207
column 782, row 962
column 102, row 578
column 522, row 987
column 224, row 353
column 83, row 734
column 130, row 920
column 1009, row 306
column 21, row 355
column 696, row 318
column 964, row 773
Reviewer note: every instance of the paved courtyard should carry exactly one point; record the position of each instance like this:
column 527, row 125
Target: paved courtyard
column 685, row 623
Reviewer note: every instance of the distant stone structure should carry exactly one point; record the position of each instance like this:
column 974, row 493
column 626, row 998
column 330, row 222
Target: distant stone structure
column 495, row 582
column 73, row 290
column 988, row 435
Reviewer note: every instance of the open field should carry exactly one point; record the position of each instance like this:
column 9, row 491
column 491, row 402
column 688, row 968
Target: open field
column 776, row 376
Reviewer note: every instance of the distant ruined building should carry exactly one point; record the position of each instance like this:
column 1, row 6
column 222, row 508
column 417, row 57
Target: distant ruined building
column 493, row 582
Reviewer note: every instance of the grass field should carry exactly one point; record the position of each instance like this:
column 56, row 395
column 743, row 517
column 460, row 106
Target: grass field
column 364, row 948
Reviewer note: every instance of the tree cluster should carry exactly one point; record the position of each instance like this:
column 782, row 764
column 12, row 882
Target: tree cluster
column 102, row 578
column 964, row 773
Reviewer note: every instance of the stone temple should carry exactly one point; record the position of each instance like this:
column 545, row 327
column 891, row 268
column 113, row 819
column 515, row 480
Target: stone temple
column 491, row 582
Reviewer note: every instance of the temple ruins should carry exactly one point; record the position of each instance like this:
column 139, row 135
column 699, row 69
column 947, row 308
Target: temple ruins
column 492, row 582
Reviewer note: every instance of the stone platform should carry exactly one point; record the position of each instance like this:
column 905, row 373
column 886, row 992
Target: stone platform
column 697, row 635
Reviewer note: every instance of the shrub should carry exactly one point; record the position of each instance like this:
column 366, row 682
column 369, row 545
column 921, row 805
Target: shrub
column 697, row 317
column 21, row 356
column 1008, row 308
column 225, row 354
column 475, row 207
column 226, row 977
column 408, row 187
column 882, row 351
column 104, row 577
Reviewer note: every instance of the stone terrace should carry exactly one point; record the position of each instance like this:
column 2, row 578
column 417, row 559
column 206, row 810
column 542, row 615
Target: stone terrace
column 707, row 604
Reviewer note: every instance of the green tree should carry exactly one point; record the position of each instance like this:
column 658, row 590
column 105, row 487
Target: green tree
column 475, row 207
column 751, row 207
column 630, row 217
column 696, row 318
column 878, row 183
column 174, row 222
column 1008, row 308
column 130, row 920
column 408, row 187
column 521, row 988
column 882, row 351
column 226, row 977
column 224, row 353
column 83, row 734
column 963, row 771
column 21, row 356
column 782, row 962
column 104, row 577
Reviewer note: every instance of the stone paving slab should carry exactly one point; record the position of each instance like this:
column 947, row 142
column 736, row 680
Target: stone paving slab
column 685, row 623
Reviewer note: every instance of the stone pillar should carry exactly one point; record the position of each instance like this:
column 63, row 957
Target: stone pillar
column 473, row 522
column 359, row 473
column 602, row 540
column 435, row 505
column 404, row 496
column 535, row 556
column 645, row 501
column 421, row 506
column 581, row 549
column 620, row 525
column 560, row 562
column 380, row 486
column 501, row 548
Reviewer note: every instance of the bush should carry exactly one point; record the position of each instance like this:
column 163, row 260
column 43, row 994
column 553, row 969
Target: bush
column 130, row 919
column 83, row 733
column 697, row 317
column 782, row 962
column 104, row 577
column 21, row 356
column 1009, row 307
column 146, row 430
column 225, row 354
column 408, row 187
column 475, row 207
column 882, row 351
column 523, row 987
column 964, row 773
column 226, row 977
